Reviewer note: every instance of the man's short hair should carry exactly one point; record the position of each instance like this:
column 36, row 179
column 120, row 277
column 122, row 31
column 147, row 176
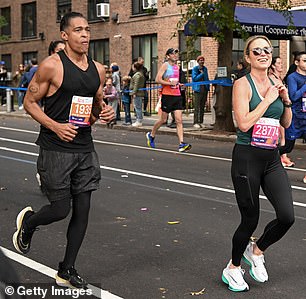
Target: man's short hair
column 299, row 55
column 65, row 21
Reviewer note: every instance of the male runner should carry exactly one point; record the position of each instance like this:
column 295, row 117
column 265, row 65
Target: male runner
column 70, row 83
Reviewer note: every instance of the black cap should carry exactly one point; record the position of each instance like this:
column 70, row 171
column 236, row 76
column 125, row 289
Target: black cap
column 171, row 50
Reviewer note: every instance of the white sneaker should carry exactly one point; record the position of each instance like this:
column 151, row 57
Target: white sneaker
column 20, row 107
column 234, row 279
column 256, row 262
column 197, row 126
column 137, row 124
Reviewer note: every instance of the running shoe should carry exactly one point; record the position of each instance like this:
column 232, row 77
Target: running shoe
column 150, row 140
column 234, row 279
column 69, row 278
column 256, row 262
column 183, row 147
column 23, row 236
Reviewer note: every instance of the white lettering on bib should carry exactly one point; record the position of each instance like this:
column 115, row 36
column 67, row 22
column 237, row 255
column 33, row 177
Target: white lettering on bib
column 265, row 133
column 80, row 110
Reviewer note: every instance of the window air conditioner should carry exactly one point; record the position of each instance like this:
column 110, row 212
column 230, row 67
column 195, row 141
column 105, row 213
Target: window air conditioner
column 147, row 4
column 102, row 10
column 188, row 66
column 192, row 64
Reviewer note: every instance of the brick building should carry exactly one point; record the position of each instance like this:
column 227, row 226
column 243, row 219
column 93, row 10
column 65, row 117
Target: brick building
column 124, row 30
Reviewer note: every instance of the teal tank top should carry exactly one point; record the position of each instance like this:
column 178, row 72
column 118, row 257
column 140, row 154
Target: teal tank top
column 274, row 111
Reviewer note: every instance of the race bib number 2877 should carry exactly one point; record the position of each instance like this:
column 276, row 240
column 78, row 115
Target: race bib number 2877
column 266, row 133
column 80, row 110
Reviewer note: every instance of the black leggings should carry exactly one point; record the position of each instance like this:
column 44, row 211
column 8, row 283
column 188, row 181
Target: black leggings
column 253, row 168
column 59, row 210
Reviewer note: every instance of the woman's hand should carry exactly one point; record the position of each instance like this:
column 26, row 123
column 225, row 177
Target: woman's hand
column 272, row 94
column 283, row 93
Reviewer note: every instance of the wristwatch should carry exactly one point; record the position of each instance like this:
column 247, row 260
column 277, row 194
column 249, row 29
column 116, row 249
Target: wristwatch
column 287, row 105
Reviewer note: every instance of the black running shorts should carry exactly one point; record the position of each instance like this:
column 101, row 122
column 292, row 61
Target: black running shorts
column 65, row 174
column 171, row 103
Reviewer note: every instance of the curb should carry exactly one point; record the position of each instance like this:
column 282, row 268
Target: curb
column 206, row 134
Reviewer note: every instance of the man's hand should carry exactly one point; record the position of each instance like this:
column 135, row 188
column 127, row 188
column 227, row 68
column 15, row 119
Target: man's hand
column 107, row 114
column 66, row 131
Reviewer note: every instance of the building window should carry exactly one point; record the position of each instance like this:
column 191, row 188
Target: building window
column 6, row 13
column 92, row 9
column 99, row 50
column 238, row 46
column 63, row 7
column 144, row 7
column 7, row 58
column 146, row 47
column 183, row 47
column 29, row 20
column 27, row 56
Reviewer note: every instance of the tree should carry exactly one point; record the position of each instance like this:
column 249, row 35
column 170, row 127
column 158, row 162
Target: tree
column 219, row 14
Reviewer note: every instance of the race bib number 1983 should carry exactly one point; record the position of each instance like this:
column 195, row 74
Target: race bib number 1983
column 266, row 133
column 80, row 110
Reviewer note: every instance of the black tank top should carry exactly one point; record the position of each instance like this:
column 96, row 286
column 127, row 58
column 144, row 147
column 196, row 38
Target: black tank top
column 76, row 82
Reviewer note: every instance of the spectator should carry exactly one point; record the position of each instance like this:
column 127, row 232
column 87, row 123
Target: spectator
column 132, row 70
column 241, row 69
column 199, row 73
column 110, row 96
column 56, row 46
column 117, row 83
column 137, row 82
column 275, row 72
column 145, row 72
column 3, row 74
column 29, row 73
column 297, row 91
column 126, row 99
column 16, row 82
column 292, row 67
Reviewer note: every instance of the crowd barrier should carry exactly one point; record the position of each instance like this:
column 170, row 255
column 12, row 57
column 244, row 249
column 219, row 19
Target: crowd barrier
column 152, row 90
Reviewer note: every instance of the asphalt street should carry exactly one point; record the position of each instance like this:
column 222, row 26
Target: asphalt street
column 160, row 225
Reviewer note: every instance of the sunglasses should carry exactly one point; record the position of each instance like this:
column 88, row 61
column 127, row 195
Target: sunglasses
column 258, row 51
column 176, row 51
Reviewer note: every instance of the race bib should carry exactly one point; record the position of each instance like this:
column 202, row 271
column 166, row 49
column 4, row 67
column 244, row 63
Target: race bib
column 80, row 110
column 265, row 133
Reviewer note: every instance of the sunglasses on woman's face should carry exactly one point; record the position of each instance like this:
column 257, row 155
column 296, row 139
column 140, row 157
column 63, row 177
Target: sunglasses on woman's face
column 258, row 51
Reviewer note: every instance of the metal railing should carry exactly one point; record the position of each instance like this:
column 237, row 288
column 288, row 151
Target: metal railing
column 154, row 92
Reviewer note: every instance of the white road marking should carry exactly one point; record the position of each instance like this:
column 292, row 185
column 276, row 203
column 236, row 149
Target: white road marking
column 138, row 147
column 176, row 181
column 97, row 292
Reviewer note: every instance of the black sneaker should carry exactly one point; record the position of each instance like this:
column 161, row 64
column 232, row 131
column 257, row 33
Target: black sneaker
column 69, row 278
column 23, row 236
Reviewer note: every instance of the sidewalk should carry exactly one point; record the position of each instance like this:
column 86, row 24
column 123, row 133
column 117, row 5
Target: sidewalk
column 148, row 122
